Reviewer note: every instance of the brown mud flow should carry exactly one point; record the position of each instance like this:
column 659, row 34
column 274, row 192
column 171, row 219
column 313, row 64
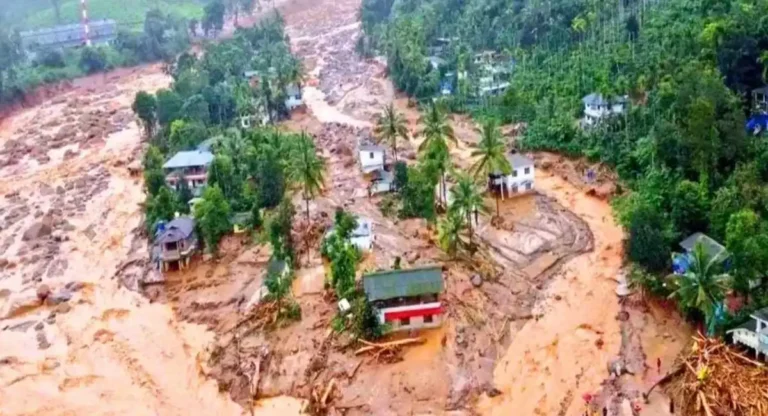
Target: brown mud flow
column 529, row 338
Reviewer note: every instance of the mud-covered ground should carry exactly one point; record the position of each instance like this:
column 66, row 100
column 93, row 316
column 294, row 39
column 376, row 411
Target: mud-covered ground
column 72, row 339
column 530, row 338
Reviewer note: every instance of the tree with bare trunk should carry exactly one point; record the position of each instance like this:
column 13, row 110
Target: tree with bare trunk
column 308, row 171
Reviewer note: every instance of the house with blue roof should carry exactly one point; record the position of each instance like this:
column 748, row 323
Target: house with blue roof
column 190, row 166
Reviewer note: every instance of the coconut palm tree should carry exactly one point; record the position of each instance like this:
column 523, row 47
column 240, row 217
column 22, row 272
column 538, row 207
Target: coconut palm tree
column 449, row 231
column 467, row 200
column 490, row 155
column 308, row 170
column 390, row 126
column 438, row 135
column 703, row 286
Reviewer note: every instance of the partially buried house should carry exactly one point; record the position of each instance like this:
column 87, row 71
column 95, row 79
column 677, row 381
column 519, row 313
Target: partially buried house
column 520, row 179
column 175, row 243
column 753, row 333
column 406, row 299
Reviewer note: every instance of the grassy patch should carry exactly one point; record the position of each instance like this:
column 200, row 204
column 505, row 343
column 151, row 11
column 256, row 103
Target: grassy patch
column 40, row 14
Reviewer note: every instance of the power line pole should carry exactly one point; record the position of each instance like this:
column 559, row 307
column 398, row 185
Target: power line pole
column 86, row 27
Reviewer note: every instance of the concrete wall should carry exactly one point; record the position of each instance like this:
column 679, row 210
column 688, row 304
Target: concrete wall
column 370, row 161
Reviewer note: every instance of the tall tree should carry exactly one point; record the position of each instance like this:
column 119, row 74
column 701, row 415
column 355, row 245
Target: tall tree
column 154, row 177
column 490, row 155
column 449, row 231
column 145, row 107
column 213, row 17
column 703, row 286
column 746, row 238
column 437, row 135
column 213, row 217
column 308, row 171
column 467, row 200
column 389, row 127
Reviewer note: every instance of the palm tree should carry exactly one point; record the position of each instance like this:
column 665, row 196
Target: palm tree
column 702, row 287
column 449, row 233
column 467, row 200
column 390, row 126
column 437, row 134
column 308, row 170
column 491, row 155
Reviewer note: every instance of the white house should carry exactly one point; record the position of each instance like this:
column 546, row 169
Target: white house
column 754, row 333
column 371, row 157
column 520, row 180
column 597, row 108
column 382, row 182
column 294, row 99
column 362, row 236
column 760, row 98
column 189, row 166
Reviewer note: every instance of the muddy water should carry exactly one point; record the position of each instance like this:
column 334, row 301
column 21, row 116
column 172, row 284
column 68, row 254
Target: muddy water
column 112, row 352
column 556, row 358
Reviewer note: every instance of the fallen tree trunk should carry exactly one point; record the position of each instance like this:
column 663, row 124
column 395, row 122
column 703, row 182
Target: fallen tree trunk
column 370, row 346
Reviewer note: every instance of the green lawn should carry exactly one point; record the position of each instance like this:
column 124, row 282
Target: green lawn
column 40, row 14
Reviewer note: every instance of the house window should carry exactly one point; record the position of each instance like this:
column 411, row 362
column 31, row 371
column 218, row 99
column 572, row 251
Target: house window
column 528, row 186
column 428, row 319
column 514, row 188
column 405, row 321
column 514, row 173
column 527, row 170
column 371, row 155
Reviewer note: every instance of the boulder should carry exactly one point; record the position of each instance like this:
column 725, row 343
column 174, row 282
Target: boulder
column 63, row 308
column 74, row 286
column 476, row 280
column 38, row 230
column 58, row 297
column 43, row 291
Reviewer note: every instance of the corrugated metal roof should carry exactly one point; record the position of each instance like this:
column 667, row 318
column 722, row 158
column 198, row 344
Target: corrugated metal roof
column 178, row 229
column 517, row 161
column 762, row 314
column 189, row 158
column 403, row 283
column 371, row 148
column 594, row 99
column 711, row 247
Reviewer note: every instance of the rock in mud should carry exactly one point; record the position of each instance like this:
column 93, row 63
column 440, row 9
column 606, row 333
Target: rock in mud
column 477, row 280
column 39, row 326
column 493, row 392
column 43, row 291
column 42, row 341
column 63, row 308
column 74, row 286
column 21, row 304
column 22, row 327
column 58, row 297
column 37, row 230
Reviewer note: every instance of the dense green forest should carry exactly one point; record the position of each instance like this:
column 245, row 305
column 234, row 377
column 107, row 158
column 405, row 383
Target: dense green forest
column 160, row 34
column 35, row 14
column 687, row 69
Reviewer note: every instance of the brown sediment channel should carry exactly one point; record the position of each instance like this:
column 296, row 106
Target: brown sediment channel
column 73, row 340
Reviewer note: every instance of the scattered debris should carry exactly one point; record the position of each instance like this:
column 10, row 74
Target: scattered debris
column 714, row 379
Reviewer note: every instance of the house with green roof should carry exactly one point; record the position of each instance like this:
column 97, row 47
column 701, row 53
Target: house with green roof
column 407, row 299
